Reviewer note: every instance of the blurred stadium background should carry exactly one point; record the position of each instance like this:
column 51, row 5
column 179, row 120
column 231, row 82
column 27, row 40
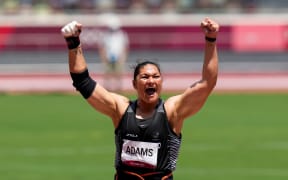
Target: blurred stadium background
column 252, row 44
column 237, row 135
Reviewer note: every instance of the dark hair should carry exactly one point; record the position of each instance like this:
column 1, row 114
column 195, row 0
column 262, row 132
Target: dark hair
column 141, row 64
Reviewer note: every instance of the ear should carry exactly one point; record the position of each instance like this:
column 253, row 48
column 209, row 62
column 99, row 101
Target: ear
column 134, row 84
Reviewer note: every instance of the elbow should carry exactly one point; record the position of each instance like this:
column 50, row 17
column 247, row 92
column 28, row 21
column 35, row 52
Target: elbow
column 211, row 84
column 210, row 78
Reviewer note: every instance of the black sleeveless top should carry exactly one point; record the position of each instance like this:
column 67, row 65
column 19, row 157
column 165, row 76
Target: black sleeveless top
column 146, row 145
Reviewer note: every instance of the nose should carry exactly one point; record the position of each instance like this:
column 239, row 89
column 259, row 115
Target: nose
column 151, row 79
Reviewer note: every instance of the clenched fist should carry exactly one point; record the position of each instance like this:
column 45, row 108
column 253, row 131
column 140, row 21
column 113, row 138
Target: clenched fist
column 71, row 32
column 210, row 28
column 71, row 29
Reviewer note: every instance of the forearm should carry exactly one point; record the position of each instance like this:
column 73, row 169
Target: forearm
column 210, row 65
column 71, row 33
column 77, row 61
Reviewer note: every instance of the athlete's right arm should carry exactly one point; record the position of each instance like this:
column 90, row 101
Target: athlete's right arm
column 98, row 97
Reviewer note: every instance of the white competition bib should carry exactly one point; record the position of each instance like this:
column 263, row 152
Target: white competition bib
column 140, row 154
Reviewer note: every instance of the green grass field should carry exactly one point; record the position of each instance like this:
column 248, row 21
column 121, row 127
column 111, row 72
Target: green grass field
column 60, row 137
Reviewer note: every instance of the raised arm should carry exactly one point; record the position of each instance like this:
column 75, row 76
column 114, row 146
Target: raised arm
column 184, row 105
column 110, row 104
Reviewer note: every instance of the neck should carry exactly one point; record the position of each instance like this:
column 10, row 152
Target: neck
column 145, row 110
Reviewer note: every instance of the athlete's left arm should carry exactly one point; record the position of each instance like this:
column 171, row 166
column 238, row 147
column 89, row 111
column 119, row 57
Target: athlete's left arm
column 194, row 97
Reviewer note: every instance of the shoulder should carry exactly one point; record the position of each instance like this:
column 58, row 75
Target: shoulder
column 173, row 115
column 122, row 104
column 120, row 97
column 170, row 102
column 170, row 105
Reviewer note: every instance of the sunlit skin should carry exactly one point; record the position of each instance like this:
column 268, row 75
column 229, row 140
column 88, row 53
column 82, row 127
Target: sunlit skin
column 147, row 82
column 148, row 78
column 148, row 85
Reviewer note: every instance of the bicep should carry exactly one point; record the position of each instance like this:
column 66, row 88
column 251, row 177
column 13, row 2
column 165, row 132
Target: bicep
column 106, row 102
column 192, row 100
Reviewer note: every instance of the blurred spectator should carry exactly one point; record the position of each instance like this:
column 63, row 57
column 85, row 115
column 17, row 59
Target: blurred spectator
column 71, row 6
column 105, row 6
column 26, row 6
column 143, row 6
column 249, row 6
column 122, row 6
column 203, row 4
column 138, row 7
column 113, row 50
column 154, row 6
column 169, row 7
column 88, row 6
column 10, row 6
column 185, row 6
column 233, row 6
column 56, row 6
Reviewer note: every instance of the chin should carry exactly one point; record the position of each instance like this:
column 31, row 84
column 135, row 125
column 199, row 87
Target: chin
column 152, row 98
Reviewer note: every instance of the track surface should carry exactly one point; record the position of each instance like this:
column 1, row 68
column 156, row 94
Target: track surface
column 48, row 71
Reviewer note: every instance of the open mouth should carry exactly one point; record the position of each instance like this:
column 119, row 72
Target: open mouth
column 150, row 91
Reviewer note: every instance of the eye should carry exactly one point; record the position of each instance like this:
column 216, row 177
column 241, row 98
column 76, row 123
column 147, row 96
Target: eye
column 156, row 76
column 144, row 77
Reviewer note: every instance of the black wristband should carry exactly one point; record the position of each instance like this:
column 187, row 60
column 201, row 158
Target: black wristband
column 72, row 42
column 210, row 39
